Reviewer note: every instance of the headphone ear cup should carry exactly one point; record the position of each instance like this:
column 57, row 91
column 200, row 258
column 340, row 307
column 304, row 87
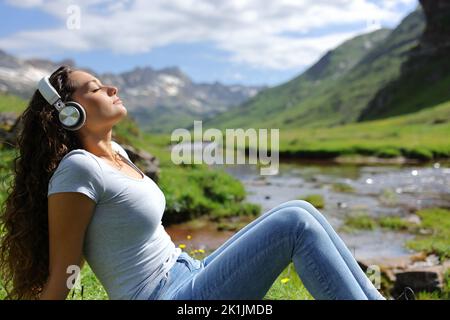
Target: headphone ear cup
column 72, row 116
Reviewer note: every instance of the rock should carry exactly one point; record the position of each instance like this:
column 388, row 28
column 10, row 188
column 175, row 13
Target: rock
column 413, row 219
column 426, row 63
column 388, row 266
column 418, row 271
column 9, row 128
column 342, row 205
column 437, row 32
column 8, row 119
column 428, row 280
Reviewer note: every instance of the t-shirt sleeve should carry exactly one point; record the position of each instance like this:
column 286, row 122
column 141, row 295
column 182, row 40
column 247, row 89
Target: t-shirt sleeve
column 78, row 172
column 119, row 148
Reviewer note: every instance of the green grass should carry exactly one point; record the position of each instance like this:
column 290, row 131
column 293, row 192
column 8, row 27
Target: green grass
column 394, row 223
column 92, row 289
column 293, row 289
column 422, row 135
column 316, row 200
column 280, row 290
column 11, row 103
column 342, row 187
column 360, row 221
column 437, row 221
column 436, row 295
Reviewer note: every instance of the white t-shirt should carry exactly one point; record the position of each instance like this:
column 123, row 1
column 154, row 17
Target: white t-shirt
column 125, row 243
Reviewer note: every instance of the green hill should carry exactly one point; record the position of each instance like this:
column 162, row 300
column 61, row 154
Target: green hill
column 11, row 103
column 336, row 89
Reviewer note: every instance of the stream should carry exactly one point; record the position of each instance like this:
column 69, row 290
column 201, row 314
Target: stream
column 375, row 190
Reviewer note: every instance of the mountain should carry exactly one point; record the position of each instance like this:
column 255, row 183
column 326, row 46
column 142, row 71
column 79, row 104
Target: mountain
column 19, row 77
column 336, row 89
column 424, row 80
column 159, row 100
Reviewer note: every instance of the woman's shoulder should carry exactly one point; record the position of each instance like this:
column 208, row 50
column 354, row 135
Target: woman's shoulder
column 78, row 171
column 84, row 160
column 79, row 160
column 78, row 154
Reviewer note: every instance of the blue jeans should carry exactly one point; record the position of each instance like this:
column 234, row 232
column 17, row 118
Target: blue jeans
column 247, row 264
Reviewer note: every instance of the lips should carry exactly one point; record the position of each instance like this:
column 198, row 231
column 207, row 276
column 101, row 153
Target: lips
column 117, row 101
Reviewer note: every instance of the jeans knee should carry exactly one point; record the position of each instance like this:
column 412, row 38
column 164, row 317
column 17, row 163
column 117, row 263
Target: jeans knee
column 307, row 206
column 297, row 219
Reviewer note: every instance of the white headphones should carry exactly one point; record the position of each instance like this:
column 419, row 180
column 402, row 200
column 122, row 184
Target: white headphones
column 72, row 115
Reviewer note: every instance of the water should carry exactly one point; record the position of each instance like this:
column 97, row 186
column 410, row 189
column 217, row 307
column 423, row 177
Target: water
column 378, row 190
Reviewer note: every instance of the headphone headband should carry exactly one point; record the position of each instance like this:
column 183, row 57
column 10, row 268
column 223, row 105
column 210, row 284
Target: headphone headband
column 49, row 93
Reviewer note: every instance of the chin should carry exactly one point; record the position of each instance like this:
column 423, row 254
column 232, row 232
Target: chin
column 125, row 111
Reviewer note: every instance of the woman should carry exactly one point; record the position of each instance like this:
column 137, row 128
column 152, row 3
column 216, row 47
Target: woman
column 77, row 195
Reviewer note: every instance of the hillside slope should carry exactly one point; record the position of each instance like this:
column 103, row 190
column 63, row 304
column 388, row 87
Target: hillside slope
column 336, row 89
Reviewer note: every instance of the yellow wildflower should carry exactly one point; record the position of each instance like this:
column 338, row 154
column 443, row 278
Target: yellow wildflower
column 284, row 280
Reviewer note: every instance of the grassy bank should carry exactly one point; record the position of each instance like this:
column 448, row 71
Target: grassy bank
column 421, row 136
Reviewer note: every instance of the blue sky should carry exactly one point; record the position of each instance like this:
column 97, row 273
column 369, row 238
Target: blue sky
column 252, row 42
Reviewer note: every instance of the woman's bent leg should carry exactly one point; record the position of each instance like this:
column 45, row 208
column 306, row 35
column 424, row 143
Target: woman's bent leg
column 247, row 267
column 364, row 282
column 366, row 285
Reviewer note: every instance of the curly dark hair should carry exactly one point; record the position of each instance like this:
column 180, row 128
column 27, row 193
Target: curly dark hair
column 41, row 142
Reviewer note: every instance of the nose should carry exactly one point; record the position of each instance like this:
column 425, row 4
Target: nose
column 113, row 90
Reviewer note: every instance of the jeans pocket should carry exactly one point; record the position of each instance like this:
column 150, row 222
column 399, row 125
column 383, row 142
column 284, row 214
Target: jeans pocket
column 160, row 288
column 191, row 263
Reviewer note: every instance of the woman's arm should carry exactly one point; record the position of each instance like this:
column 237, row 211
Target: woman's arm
column 69, row 214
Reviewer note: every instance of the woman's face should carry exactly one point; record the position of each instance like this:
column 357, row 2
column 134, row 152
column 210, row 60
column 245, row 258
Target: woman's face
column 101, row 103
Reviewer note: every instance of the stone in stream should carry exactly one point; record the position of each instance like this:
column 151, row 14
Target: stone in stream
column 417, row 271
column 428, row 279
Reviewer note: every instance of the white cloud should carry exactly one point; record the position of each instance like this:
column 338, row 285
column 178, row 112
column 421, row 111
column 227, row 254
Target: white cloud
column 253, row 32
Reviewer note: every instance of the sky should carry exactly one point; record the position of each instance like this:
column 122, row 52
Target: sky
column 249, row 42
